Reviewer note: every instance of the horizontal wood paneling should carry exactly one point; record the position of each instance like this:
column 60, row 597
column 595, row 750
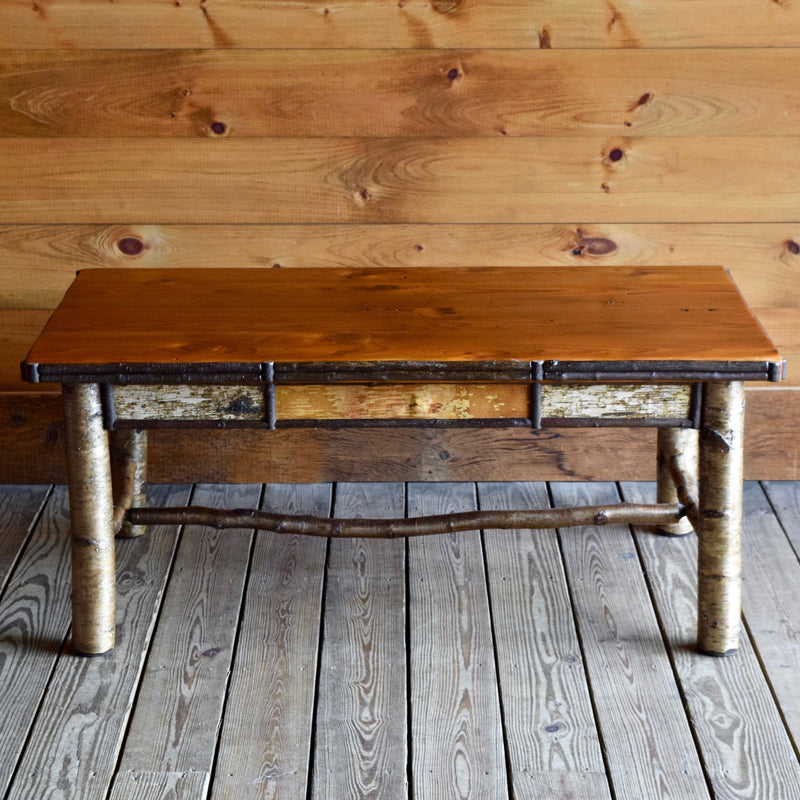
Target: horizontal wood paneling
column 18, row 331
column 303, row 133
column 38, row 262
column 393, row 23
column 467, row 180
column 31, row 440
column 783, row 327
column 295, row 93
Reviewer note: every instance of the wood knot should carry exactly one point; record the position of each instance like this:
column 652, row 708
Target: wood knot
column 219, row 128
column 715, row 439
column 545, row 40
column 85, row 542
column 593, row 246
column 130, row 246
column 239, row 405
column 793, row 247
column 446, row 6
column 363, row 196
column 599, row 246
column 601, row 517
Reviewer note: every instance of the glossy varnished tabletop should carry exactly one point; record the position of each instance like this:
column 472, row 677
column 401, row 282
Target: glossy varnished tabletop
column 688, row 320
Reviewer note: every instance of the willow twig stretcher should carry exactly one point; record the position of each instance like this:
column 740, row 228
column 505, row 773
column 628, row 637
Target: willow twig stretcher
column 668, row 348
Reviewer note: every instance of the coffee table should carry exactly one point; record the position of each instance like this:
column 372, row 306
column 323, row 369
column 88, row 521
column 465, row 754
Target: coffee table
column 665, row 347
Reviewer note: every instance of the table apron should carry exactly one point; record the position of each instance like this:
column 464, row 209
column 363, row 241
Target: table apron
column 433, row 404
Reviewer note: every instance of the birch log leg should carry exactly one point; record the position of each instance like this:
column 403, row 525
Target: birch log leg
column 91, row 510
column 720, row 519
column 676, row 444
column 129, row 476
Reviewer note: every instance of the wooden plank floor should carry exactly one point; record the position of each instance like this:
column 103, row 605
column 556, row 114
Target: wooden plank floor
column 494, row 665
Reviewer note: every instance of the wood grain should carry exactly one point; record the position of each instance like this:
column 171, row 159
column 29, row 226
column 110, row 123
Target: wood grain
column 454, row 697
column 741, row 736
column 553, row 745
column 38, row 262
column 413, row 23
column 361, row 745
column 782, row 325
column 737, row 729
column 466, row 180
column 175, row 722
column 34, row 623
column 771, row 599
column 327, row 93
column 266, row 736
column 19, row 506
column 417, row 401
column 245, row 317
column 18, row 331
column 785, row 501
column 645, row 730
column 31, row 434
column 146, row 785
column 77, row 738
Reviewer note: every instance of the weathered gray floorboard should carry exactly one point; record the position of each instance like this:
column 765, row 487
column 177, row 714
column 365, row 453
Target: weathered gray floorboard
column 162, row 785
column 266, row 736
column 455, row 711
column 34, row 622
column 646, row 737
column 77, row 734
column 63, row 718
column 361, row 742
column 771, row 598
column 553, row 745
column 742, row 739
column 784, row 496
column 19, row 508
column 177, row 715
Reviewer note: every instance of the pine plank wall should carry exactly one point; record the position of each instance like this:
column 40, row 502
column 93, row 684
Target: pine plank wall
column 397, row 132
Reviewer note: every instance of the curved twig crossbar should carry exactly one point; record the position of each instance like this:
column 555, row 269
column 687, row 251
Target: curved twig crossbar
column 619, row 514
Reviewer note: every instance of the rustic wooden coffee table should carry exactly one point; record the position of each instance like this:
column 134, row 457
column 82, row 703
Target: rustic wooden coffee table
column 665, row 347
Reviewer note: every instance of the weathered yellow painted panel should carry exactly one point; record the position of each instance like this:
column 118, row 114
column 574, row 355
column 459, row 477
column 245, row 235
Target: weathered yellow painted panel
column 411, row 401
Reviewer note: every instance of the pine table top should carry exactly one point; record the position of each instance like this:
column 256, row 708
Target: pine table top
column 497, row 323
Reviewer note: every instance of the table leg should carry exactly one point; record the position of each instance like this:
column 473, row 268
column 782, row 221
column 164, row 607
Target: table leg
column 676, row 445
column 129, row 453
column 720, row 518
column 91, row 504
